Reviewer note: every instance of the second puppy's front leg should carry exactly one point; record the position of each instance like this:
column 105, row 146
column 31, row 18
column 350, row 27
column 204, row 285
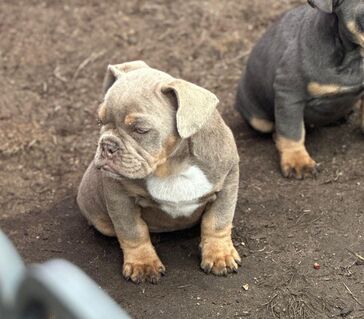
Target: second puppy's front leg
column 290, row 137
column 294, row 158
column 219, row 255
column 141, row 262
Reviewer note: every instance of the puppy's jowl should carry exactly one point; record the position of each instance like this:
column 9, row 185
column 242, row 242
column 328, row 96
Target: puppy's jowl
column 165, row 161
column 307, row 69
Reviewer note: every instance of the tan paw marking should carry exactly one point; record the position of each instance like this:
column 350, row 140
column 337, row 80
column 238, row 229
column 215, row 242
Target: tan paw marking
column 295, row 160
column 142, row 264
column 220, row 257
column 298, row 164
column 150, row 271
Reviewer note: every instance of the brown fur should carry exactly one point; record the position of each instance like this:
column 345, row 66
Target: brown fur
column 129, row 119
column 166, row 167
column 169, row 168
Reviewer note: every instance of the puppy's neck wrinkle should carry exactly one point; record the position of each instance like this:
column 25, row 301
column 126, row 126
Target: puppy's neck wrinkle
column 177, row 160
column 180, row 150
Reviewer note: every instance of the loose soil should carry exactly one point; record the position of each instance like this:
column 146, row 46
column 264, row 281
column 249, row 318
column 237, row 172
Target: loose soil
column 53, row 57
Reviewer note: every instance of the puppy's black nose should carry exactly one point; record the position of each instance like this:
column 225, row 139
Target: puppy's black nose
column 360, row 18
column 109, row 148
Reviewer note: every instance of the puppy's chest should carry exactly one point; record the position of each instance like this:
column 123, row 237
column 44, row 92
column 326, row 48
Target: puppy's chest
column 179, row 195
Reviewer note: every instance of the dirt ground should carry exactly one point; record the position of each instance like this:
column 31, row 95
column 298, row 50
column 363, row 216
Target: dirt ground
column 53, row 57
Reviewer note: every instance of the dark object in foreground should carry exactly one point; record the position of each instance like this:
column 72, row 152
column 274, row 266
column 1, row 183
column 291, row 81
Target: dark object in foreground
column 55, row 288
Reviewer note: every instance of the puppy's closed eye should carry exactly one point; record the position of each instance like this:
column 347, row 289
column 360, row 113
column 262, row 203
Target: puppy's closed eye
column 141, row 130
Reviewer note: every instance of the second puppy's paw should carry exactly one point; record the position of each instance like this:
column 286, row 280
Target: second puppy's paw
column 298, row 164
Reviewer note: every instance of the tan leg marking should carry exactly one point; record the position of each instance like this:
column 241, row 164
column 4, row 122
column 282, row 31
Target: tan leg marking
column 219, row 255
column 141, row 262
column 163, row 170
column 164, row 166
column 130, row 119
column 169, row 168
column 316, row 89
column 295, row 160
column 261, row 125
column 362, row 116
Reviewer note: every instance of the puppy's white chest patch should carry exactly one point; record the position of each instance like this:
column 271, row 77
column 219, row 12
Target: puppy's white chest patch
column 178, row 195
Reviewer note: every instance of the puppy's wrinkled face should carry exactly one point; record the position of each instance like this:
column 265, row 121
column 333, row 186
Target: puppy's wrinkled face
column 350, row 14
column 138, row 121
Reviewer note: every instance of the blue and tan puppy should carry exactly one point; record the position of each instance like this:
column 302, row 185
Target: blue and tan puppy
column 306, row 70
column 165, row 161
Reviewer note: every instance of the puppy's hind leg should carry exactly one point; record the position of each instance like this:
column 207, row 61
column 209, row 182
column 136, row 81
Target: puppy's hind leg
column 251, row 111
column 92, row 204
column 96, row 217
column 101, row 222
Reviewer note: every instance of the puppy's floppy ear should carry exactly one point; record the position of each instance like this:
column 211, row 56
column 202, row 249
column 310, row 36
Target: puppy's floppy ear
column 323, row 5
column 195, row 106
column 115, row 71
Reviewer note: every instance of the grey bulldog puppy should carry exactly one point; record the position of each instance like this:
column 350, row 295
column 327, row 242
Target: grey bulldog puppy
column 306, row 69
column 165, row 161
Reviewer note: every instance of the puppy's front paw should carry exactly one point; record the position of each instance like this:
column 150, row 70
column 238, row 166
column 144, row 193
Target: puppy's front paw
column 219, row 257
column 142, row 267
column 298, row 164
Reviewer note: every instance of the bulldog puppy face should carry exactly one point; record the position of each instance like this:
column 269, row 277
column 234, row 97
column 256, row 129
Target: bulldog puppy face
column 143, row 118
column 350, row 14
column 138, row 123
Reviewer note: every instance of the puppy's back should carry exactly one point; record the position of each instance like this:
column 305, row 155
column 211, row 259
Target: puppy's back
column 255, row 93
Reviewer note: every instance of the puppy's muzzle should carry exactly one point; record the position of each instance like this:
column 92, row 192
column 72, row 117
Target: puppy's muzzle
column 119, row 156
column 109, row 148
